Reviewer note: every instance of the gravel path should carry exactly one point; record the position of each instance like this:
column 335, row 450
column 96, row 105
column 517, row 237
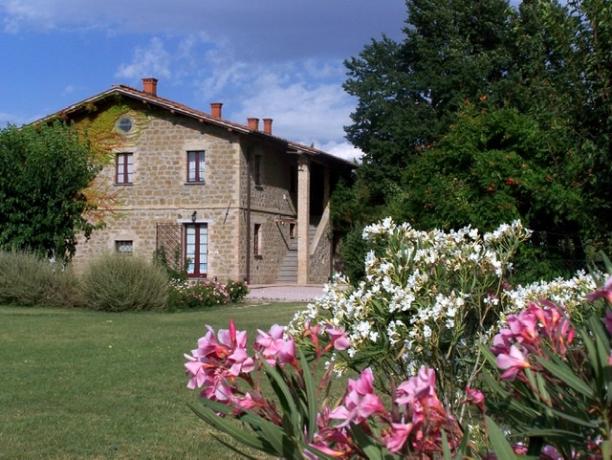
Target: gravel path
column 289, row 293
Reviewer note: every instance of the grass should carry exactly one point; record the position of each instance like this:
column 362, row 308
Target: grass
column 84, row 384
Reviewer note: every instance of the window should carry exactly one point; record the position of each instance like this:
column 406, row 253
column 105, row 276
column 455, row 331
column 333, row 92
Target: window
column 196, row 249
column 292, row 231
column 257, row 170
column 257, row 240
column 124, row 168
column 124, row 247
column 124, row 125
column 195, row 166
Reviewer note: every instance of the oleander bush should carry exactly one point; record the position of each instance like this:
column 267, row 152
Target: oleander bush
column 429, row 298
column 114, row 282
column 27, row 279
column 445, row 353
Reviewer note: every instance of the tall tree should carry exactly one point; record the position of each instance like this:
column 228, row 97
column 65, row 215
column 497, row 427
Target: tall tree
column 408, row 92
column 43, row 172
column 468, row 86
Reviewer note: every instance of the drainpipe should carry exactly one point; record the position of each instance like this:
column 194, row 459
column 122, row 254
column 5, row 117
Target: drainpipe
column 248, row 217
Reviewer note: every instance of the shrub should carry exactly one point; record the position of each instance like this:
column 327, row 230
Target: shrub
column 429, row 299
column 194, row 294
column 237, row 291
column 204, row 293
column 117, row 283
column 29, row 280
column 548, row 384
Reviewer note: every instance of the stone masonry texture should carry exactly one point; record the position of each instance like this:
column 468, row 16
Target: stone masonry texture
column 160, row 194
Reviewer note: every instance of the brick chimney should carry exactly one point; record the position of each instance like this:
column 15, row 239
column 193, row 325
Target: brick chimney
column 253, row 124
column 149, row 86
column 215, row 110
column 267, row 127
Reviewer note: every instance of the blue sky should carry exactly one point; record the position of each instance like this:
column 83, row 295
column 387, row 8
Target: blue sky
column 263, row 58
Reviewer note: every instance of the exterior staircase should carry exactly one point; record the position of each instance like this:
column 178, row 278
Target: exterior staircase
column 287, row 272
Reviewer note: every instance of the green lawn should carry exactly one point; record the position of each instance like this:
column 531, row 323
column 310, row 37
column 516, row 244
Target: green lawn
column 77, row 384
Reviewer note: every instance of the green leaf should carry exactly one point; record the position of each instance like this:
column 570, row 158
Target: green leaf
column 221, row 424
column 446, row 452
column 285, row 397
column 591, row 352
column 310, row 396
column 484, row 349
column 462, row 450
column 234, row 449
column 498, row 441
column 544, row 395
column 602, row 343
column 372, row 450
column 551, row 432
column 563, row 372
column 576, row 420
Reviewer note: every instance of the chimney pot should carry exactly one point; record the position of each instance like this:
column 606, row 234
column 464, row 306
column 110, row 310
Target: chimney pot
column 253, row 124
column 149, row 86
column 215, row 110
column 267, row 125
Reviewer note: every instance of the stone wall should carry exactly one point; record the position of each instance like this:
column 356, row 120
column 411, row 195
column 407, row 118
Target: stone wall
column 320, row 259
column 270, row 203
column 160, row 192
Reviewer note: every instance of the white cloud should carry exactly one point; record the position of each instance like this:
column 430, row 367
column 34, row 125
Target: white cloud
column 342, row 150
column 305, row 98
column 308, row 111
column 270, row 29
column 151, row 60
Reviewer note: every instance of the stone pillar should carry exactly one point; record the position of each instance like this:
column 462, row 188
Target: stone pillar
column 303, row 219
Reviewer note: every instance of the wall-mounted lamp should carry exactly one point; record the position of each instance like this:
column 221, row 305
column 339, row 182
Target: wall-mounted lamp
column 194, row 216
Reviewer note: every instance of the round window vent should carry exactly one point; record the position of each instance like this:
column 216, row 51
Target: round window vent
column 125, row 124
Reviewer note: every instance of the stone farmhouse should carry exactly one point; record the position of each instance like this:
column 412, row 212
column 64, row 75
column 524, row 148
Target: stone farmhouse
column 222, row 199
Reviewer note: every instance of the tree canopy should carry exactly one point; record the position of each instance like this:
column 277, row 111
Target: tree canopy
column 44, row 170
column 485, row 113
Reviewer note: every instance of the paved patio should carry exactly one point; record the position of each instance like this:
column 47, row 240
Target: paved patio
column 287, row 292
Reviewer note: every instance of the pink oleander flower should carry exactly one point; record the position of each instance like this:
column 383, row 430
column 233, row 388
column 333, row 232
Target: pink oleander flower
column 476, row 397
column 607, row 320
column 550, row 453
column 604, row 293
column 520, row 448
column 523, row 327
column 419, row 404
column 511, row 363
column 396, row 437
column 502, row 342
column 417, row 387
column 274, row 347
column 217, row 361
column 543, row 321
column 331, row 440
column 338, row 337
column 359, row 402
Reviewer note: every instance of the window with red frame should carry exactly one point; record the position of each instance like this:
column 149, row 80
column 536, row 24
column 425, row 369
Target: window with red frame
column 195, row 166
column 124, row 168
column 196, row 249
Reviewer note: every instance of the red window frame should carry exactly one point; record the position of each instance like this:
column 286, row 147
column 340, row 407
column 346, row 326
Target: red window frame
column 199, row 157
column 196, row 262
column 125, row 172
